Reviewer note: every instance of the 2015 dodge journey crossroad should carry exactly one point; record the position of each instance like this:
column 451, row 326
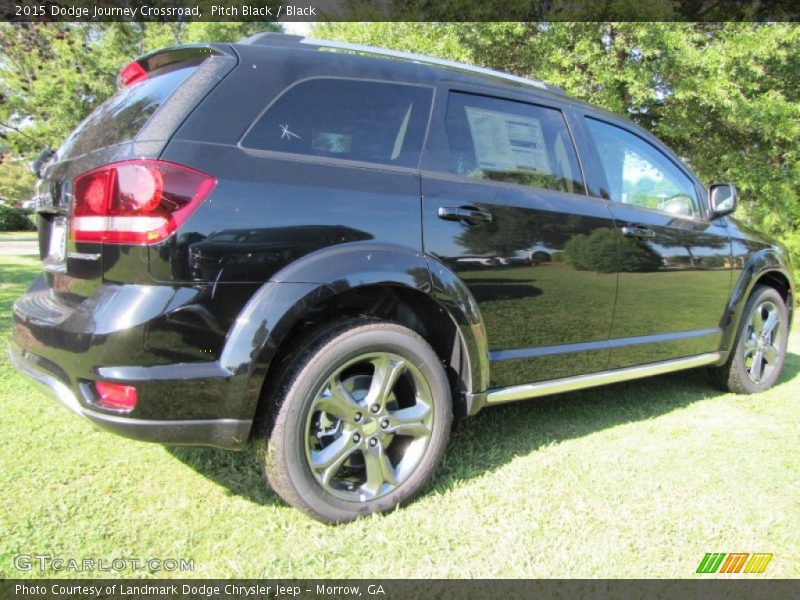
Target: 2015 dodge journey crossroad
column 336, row 250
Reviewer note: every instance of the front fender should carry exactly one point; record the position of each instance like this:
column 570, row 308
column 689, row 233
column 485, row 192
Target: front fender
column 273, row 310
column 758, row 264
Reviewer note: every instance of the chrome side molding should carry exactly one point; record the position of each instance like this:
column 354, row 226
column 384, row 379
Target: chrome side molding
column 569, row 384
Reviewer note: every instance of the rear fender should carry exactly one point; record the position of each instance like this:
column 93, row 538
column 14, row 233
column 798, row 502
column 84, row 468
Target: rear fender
column 276, row 307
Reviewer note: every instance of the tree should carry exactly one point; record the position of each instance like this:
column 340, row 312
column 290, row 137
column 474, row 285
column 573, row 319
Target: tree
column 604, row 251
column 53, row 75
column 16, row 181
column 512, row 231
column 724, row 96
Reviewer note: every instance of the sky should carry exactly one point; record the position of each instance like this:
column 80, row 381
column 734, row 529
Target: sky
column 297, row 28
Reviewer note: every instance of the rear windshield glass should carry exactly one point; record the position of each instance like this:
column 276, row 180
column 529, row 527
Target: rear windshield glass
column 123, row 115
column 355, row 120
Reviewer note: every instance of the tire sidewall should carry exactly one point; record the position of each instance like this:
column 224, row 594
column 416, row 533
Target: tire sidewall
column 755, row 300
column 350, row 344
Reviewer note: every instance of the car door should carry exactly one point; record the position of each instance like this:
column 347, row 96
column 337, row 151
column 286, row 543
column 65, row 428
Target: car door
column 674, row 263
column 505, row 206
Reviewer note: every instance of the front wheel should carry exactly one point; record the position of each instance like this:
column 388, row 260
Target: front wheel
column 360, row 421
column 758, row 356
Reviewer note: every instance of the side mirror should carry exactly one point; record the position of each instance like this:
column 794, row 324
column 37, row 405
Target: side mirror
column 722, row 198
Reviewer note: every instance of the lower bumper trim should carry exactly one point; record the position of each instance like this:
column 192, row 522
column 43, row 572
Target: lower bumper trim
column 229, row 434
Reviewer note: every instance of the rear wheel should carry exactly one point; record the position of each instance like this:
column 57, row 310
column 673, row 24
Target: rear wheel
column 758, row 356
column 360, row 421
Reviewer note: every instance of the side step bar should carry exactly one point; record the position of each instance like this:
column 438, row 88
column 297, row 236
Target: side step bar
column 569, row 384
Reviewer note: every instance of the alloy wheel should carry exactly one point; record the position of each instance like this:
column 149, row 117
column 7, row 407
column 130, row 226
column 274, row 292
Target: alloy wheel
column 369, row 426
column 762, row 343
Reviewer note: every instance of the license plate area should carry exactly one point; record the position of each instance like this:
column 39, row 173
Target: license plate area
column 57, row 250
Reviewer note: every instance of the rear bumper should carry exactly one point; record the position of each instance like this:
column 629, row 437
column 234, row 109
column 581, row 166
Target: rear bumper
column 230, row 434
column 163, row 340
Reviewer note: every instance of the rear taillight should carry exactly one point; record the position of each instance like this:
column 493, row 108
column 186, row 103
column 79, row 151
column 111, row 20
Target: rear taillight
column 132, row 73
column 136, row 201
column 116, row 396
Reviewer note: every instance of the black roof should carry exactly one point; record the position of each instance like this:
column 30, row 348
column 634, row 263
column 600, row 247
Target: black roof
column 439, row 67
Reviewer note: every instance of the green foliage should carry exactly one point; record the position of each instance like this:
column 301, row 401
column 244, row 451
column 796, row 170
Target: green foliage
column 16, row 181
column 594, row 252
column 724, row 96
column 509, row 233
column 54, row 75
column 15, row 219
column 598, row 250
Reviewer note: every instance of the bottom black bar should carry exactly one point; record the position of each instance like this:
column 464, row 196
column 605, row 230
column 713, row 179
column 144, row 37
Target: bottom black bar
column 395, row 589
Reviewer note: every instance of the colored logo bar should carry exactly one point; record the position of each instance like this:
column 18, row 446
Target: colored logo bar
column 720, row 562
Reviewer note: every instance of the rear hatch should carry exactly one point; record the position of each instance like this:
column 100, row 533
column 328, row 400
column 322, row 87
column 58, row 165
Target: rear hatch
column 156, row 94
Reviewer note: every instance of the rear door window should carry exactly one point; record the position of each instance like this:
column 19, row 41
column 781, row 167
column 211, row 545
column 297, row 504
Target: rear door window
column 513, row 142
column 365, row 121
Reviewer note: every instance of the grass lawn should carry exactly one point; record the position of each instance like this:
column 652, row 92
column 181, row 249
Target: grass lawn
column 633, row 480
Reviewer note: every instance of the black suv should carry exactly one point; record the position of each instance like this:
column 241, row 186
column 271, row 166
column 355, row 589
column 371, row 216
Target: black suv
column 337, row 249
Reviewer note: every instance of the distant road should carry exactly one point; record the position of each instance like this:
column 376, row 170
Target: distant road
column 21, row 245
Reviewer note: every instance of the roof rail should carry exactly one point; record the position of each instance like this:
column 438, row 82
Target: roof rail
column 426, row 60
column 278, row 39
column 271, row 38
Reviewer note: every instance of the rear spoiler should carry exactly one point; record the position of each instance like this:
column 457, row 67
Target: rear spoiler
column 169, row 59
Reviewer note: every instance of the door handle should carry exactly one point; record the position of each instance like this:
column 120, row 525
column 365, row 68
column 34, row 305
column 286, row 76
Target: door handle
column 468, row 214
column 637, row 231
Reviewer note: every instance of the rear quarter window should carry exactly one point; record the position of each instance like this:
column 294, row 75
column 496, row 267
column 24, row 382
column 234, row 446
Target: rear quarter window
column 123, row 115
column 367, row 121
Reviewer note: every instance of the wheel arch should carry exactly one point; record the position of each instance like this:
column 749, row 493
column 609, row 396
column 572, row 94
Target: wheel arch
column 765, row 267
column 391, row 282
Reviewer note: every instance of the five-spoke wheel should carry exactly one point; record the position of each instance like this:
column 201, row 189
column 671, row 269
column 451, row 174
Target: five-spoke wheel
column 361, row 420
column 369, row 426
column 756, row 360
column 762, row 346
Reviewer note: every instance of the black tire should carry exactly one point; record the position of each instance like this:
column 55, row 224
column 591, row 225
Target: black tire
column 298, row 430
column 737, row 374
